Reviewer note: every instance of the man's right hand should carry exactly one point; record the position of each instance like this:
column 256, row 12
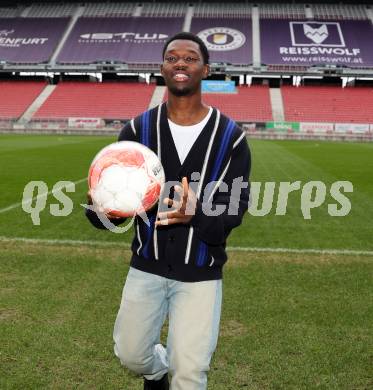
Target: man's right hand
column 108, row 215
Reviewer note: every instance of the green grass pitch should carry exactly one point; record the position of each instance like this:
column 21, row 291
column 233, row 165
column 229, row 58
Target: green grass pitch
column 55, row 158
column 290, row 320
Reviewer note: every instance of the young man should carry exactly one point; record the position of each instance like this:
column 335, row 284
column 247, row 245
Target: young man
column 177, row 259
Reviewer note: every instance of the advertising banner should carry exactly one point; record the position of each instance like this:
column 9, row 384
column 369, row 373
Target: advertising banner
column 249, row 127
column 228, row 40
column 307, row 42
column 218, row 86
column 314, row 127
column 85, row 122
column 119, row 39
column 283, row 126
column 30, row 40
column 351, row 128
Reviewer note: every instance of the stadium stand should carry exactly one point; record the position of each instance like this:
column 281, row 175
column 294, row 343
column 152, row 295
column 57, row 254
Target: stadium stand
column 216, row 10
column 17, row 96
column 249, row 104
column 11, row 12
column 282, row 11
column 85, row 38
column 339, row 11
column 109, row 9
column 265, row 18
column 42, row 10
column 96, row 100
column 328, row 104
column 163, row 9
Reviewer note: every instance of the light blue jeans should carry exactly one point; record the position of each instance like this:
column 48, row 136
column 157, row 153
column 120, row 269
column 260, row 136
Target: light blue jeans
column 194, row 315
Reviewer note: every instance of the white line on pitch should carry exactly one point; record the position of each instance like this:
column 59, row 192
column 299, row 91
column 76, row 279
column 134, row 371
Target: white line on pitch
column 15, row 205
column 304, row 251
column 62, row 242
column 230, row 248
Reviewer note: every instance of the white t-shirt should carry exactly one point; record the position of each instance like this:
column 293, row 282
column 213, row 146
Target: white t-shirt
column 185, row 136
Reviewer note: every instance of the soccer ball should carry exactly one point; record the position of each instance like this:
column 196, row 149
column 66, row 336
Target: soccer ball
column 125, row 179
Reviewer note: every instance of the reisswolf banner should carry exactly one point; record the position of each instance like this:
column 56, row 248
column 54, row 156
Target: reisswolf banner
column 30, row 40
column 121, row 39
column 307, row 42
column 228, row 40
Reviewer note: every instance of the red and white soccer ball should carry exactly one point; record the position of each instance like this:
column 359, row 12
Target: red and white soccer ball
column 125, row 179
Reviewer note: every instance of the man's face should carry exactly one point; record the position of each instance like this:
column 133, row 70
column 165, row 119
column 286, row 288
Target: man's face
column 183, row 67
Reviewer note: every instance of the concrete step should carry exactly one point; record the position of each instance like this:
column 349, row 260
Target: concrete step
column 37, row 103
column 157, row 97
column 277, row 104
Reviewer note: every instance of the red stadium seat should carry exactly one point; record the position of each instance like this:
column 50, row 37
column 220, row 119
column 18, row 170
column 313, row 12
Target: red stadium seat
column 17, row 96
column 249, row 104
column 328, row 104
column 96, row 100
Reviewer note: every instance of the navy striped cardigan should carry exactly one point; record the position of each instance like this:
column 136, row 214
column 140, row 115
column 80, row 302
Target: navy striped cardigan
column 194, row 252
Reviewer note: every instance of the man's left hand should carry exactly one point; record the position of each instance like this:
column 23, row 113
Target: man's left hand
column 184, row 208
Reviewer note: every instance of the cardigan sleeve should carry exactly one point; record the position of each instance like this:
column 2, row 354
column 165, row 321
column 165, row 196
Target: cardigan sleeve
column 127, row 134
column 214, row 229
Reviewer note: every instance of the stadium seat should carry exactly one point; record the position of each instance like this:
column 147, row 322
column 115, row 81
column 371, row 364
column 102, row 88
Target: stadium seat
column 328, row 104
column 163, row 9
column 44, row 10
column 109, row 9
column 217, row 10
column 250, row 104
column 96, row 100
column 17, row 96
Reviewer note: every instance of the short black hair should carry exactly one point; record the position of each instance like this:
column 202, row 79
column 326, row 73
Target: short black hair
column 189, row 37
